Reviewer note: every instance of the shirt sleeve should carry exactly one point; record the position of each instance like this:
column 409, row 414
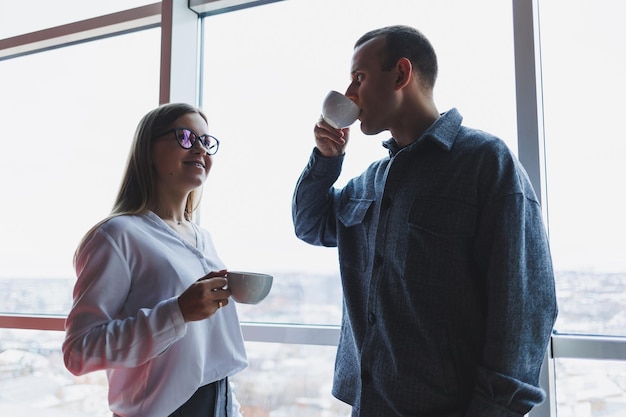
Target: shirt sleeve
column 314, row 199
column 99, row 334
column 521, row 307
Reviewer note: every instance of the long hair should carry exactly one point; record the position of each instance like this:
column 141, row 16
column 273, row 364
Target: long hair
column 137, row 191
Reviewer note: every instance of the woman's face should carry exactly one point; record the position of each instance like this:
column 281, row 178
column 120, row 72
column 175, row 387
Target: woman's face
column 179, row 171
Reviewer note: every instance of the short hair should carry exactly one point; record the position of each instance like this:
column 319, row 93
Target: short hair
column 406, row 42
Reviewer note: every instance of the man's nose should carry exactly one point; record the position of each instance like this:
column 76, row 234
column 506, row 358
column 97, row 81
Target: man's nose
column 351, row 92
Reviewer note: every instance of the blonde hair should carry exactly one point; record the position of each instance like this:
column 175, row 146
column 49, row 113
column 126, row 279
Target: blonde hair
column 137, row 191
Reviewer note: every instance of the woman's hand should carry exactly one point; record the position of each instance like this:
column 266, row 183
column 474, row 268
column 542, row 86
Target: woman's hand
column 204, row 297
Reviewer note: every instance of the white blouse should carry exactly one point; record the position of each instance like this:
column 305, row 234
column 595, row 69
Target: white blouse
column 126, row 319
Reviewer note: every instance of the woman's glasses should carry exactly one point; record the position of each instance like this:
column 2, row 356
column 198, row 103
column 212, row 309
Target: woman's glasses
column 187, row 138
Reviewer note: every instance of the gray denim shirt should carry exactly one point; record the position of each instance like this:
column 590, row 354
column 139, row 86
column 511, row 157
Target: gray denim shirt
column 449, row 297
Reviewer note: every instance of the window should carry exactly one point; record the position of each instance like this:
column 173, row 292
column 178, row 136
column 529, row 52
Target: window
column 286, row 380
column 17, row 18
column 583, row 64
column 75, row 109
column 263, row 89
column 34, row 381
column 586, row 388
column 262, row 92
column 70, row 114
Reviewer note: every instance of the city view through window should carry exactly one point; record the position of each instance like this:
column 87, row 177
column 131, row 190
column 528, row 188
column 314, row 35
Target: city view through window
column 282, row 379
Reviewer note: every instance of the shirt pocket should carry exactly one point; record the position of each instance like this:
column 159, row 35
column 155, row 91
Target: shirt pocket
column 440, row 240
column 445, row 218
column 353, row 236
column 354, row 211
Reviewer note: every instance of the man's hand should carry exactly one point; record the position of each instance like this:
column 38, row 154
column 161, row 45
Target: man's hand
column 330, row 142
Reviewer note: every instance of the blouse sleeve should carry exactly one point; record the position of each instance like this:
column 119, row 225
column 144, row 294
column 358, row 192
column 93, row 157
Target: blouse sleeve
column 99, row 334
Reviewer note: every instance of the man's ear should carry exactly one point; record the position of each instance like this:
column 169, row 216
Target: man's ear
column 404, row 69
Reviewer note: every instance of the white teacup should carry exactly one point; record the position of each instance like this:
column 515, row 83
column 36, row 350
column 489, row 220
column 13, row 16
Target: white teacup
column 248, row 287
column 339, row 111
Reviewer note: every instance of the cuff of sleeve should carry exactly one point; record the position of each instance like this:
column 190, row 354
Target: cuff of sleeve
column 481, row 407
column 499, row 395
column 176, row 317
column 320, row 164
column 318, row 154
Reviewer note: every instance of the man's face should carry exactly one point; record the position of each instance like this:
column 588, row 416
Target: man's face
column 373, row 89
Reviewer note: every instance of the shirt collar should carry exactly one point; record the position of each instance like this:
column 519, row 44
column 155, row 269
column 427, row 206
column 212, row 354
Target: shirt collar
column 443, row 133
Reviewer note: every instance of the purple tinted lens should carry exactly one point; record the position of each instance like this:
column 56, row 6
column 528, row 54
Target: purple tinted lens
column 184, row 138
column 206, row 141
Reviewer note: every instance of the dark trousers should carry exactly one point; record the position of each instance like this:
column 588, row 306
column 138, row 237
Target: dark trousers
column 212, row 400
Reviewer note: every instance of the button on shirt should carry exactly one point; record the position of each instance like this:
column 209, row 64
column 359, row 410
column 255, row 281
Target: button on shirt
column 126, row 317
column 448, row 285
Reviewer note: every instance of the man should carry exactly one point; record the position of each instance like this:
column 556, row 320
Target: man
column 448, row 285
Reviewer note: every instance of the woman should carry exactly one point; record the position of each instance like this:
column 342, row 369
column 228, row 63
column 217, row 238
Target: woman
column 151, row 304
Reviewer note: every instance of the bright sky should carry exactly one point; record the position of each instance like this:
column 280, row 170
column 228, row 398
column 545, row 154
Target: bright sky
column 78, row 108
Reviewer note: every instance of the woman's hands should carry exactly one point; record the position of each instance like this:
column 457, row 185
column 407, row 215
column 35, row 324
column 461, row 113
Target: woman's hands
column 204, row 297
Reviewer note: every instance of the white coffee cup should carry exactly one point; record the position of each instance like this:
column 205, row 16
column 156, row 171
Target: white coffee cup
column 339, row 111
column 248, row 287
